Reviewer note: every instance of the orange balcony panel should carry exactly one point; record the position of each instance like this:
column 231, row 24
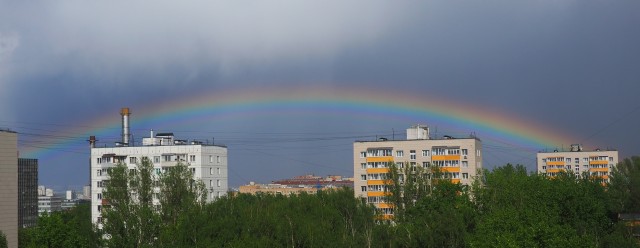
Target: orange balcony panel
column 380, row 159
column 599, row 162
column 556, row 163
column 377, row 170
column 554, row 170
column 445, row 157
column 450, row 169
column 598, row 169
column 384, row 205
column 376, row 182
column 376, row 193
column 455, row 181
column 605, row 177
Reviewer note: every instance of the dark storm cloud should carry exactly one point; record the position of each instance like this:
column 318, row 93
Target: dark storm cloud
column 571, row 65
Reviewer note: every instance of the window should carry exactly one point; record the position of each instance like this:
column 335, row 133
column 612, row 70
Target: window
column 218, row 182
column 157, row 171
column 210, row 171
column 465, row 164
column 363, row 165
column 363, row 154
column 400, row 165
column 99, row 172
column 193, row 171
column 425, row 164
column 425, row 153
column 363, row 188
column 438, row 151
column 478, row 152
column 99, row 196
column 217, row 159
column 465, row 152
column 399, row 153
column 99, row 208
column 544, row 167
column 610, row 159
column 166, row 158
column 465, row 175
column 210, row 158
column 585, row 159
column 133, row 160
column 156, row 159
column 210, row 183
column 99, row 160
column 412, row 154
column 568, row 160
column 192, row 158
column 218, row 169
column 363, row 177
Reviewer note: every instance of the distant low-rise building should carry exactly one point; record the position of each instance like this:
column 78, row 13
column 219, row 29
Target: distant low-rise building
column 49, row 204
column 307, row 183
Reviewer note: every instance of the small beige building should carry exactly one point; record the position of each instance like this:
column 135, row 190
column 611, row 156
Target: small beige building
column 598, row 163
column 9, row 186
column 458, row 158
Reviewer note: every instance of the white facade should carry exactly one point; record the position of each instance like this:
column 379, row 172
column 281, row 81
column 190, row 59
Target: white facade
column 207, row 162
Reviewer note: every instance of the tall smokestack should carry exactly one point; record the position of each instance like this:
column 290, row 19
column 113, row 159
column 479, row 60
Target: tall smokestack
column 124, row 112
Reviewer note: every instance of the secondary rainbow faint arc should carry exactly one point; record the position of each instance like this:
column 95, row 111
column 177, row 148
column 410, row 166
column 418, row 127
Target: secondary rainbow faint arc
column 427, row 109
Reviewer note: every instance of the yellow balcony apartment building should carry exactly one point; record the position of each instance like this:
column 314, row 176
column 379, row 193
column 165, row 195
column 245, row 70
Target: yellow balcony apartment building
column 598, row 163
column 458, row 158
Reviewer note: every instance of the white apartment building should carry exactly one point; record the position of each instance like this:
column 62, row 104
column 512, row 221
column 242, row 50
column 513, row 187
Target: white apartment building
column 208, row 163
column 458, row 158
column 598, row 163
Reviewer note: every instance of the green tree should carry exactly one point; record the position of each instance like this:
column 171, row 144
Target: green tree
column 3, row 240
column 624, row 186
column 181, row 199
column 129, row 216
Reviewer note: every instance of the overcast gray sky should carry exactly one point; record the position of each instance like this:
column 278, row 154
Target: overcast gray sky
column 569, row 65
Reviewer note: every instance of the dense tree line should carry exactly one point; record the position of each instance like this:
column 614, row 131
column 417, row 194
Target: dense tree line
column 506, row 207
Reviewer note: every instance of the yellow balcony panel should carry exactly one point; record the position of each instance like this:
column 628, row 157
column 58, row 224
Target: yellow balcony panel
column 376, row 193
column 598, row 169
column 384, row 205
column 376, row 182
column 445, row 157
column 455, row 181
column 450, row 169
column 556, row 163
column 599, row 162
column 377, row 170
column 380, row 159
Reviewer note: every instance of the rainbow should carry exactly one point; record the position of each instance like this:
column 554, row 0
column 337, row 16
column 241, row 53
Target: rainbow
column 359, row 102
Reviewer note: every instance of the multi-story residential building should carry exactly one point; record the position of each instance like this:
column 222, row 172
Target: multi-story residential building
column 9, row 186
column 598, row 163
column 459, row 159
column 208, row 163
column 27, row 192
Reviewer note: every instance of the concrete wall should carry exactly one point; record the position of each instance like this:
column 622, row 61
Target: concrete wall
column 9, row 186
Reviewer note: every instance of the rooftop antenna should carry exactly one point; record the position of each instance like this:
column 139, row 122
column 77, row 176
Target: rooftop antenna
column 393, row 134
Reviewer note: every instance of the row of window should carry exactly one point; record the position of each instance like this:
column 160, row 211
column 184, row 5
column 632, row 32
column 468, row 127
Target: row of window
column 577, row 160
column 577, row 167
column 412, row 153
column 384, row 176
column 157, row 159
